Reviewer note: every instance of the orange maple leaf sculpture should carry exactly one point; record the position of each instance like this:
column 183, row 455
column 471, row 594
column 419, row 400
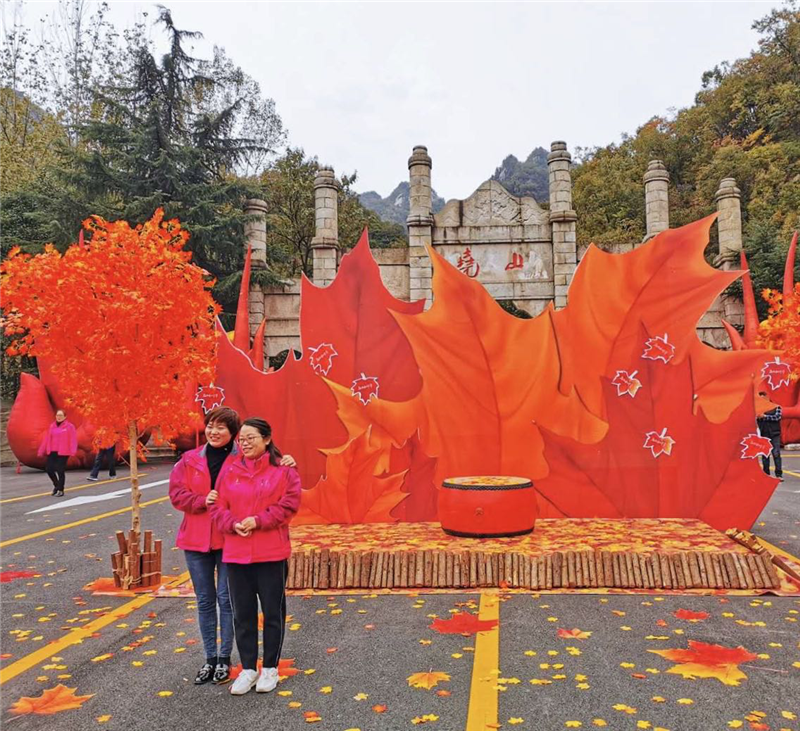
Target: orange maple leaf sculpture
column 53, row 700
column 351, row 330
column 626, row 475
column 351, row 492
column 703, row 660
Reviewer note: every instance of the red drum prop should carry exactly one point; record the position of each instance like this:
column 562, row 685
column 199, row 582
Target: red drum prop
column 487, row 507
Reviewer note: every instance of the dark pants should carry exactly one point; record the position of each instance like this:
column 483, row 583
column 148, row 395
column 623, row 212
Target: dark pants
column 776, row 456
column 56, row 469
column 105, row 455
column 210, row 581
column 248, row 584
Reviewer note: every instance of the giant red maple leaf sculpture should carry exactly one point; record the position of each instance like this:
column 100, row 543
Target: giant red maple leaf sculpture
column 349, row 327
column 622, row 476
column 351, row 492
column 294, row 400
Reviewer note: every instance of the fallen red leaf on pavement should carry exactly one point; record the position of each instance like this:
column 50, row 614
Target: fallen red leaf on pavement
column 462, row 623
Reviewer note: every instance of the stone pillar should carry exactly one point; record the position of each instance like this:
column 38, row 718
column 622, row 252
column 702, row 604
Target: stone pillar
column 656, row 198
column 420, row 225
column 729, row 223
column 729, row 231
column 255, row 231
column 255, row 236
column 325, row 244
column 562, row 220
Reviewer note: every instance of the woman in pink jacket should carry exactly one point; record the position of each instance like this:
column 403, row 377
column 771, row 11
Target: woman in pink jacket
column 192, row 491
column 59, row 443
column 257, row 498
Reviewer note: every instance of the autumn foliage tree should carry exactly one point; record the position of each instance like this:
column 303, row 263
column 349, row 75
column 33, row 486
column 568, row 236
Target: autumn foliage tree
column 781, row 330
column 125, row 319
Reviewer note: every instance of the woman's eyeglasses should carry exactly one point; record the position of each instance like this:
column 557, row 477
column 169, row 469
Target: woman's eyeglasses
column 249, row 440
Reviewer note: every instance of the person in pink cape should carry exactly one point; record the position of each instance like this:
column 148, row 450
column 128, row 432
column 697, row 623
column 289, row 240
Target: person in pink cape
column 60, row 442
column 257, row 497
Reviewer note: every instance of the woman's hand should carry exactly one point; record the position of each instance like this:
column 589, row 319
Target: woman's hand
column 211, row 498
column 288, row 461
column 249, row 524
column 241, row 530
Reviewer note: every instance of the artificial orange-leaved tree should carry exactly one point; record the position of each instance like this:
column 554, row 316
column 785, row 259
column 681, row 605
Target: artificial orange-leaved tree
column 781, row 330
column 125, row 319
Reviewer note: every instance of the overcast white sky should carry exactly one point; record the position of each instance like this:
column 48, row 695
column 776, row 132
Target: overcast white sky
column 359, row 84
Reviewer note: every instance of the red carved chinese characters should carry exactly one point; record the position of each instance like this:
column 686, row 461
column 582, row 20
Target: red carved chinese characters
column 467, row 264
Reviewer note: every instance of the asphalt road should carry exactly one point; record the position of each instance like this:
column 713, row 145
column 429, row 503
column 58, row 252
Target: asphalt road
column 354, row 653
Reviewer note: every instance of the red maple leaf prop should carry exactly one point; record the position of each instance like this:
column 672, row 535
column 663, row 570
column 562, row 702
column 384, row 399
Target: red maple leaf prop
column 7, row 576
column 659, row 443
column 365, row 388
column 351, row 491
column 704, row 660
column 776, row 373
column 626, row 383
column 659, row 348
column 704, row 477
column 419, row 482
column 294, row 400
column 462, row 623
column 690, row 616
column 354, row 313
column 321, row 358
column 754, row 445
column 210, row 397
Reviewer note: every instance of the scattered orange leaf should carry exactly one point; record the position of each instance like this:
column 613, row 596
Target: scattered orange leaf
column 427, row 680
column 52, row 700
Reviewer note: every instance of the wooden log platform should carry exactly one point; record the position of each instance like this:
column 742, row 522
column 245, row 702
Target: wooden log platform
column 637, row 571
column 644, row 555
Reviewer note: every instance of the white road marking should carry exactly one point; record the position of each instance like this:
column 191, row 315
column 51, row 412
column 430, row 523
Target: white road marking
column 87, row 499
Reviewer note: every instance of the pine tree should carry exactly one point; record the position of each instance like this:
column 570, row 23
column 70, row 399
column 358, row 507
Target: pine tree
column 164, row 134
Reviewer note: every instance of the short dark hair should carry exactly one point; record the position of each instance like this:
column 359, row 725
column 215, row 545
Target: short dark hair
column 224, row 415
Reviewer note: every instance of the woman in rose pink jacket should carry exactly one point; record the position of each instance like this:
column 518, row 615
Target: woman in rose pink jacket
column 60, row 442
column 257, row 498
column 191, row 490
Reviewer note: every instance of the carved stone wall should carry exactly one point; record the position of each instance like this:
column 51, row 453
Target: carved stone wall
column 511, row 245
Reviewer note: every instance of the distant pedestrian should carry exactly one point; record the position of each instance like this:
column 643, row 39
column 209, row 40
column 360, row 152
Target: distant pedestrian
column 769, row 426
column 60, row 442
column 258, row 496
column 107, row 455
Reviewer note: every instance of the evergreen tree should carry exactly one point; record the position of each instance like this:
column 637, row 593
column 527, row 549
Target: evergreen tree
column 164, row 134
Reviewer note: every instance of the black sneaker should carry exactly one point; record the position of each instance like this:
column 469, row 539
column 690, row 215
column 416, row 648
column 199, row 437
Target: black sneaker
column 55, row 492
column 60, row 493
column 92, row 478
column 204, row 674
column 222, row 674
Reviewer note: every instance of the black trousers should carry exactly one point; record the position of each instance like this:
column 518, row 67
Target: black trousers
column 56, row 469
column 248, row 584
column 776, row 456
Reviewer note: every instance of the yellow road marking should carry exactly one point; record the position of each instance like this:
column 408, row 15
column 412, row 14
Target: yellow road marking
column 793, row 474
column 48, row 531
column 69, row 489
column 79, row 634
column 485, row 668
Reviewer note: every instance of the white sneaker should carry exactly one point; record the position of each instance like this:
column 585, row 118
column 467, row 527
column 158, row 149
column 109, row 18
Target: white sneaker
column 267, row 680
column 246, row 680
